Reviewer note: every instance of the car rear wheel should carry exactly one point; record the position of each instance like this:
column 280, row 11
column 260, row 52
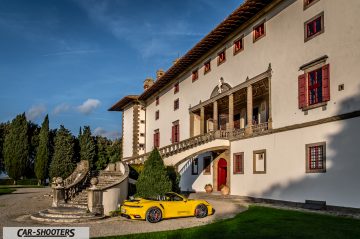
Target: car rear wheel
column 201, row 211
column 153, row 215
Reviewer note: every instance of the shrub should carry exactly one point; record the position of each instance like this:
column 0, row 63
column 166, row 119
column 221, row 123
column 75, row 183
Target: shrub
column 153, row 180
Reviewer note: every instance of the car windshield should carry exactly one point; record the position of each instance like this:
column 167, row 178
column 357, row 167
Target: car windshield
column 166, row 197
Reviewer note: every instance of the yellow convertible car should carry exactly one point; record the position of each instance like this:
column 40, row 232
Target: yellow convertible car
column 171, row 205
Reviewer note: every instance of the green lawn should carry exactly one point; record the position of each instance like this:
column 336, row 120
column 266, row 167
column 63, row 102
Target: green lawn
column 6, row 190
column 263, row 222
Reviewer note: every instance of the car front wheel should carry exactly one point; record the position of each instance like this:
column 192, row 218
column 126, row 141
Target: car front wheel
column 153, row 215
column 201, row 211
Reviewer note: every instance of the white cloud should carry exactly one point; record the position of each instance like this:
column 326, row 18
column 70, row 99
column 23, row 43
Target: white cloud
column 88, row 106
column 61, row 108
column 35, row 112
column 109, row 134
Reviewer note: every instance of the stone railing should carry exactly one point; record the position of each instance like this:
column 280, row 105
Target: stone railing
column 78, row 180
column 199, row 140
column 259, row 128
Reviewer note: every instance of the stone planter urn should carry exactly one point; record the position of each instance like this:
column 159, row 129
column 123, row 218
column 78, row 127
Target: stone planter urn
column 225, row 190
column 208, row 188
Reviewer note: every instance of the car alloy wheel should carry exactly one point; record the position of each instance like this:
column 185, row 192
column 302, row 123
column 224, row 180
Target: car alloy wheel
column 153, row 215
column 201, row 211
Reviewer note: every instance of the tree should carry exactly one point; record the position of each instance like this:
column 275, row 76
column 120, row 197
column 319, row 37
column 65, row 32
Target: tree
column 43, row 152
column 87, row 146
column 153, row 180
column 115, row 150
column 3, row 131
column 33, row 136
column 16, row 147
column 102, row 156
column 62, row 164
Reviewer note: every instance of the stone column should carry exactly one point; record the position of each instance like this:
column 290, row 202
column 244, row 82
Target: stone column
column 270, row 110
column 191, row 124
column 202, row 120
column 216, row 115
column 231, row 112
column 249, row 108
column 242, row 118
column 58, row 192
column 95, row 198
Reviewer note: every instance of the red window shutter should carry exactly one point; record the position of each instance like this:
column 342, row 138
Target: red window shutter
column 154, row 140
column 173, row 134
column 178, row 133
column 326, row 83
column 302, row 90
column 158, row 139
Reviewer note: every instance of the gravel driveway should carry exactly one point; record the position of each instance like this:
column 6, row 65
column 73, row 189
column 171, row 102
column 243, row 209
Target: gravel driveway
column 15, row 210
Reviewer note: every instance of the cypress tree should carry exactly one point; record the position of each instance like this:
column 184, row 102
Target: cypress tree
column 33, row 136
column 153, row 180
column 3, row 131
column 102, row 157
column 62, row 164
column 43, row 152
column 16, row 147
column 115, row 150
column 87, row 146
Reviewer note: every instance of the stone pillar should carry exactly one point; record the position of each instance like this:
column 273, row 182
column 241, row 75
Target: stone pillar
column 202, row 120
column 249, row 108
column 191, row 124
column 231, row 112
column 216, row 115
column 270, row 110
column 242, row 118
column 95, row 198
column 58, row 192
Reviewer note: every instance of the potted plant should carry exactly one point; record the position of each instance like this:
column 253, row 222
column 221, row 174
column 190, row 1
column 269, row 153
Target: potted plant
column 208, row 188
column 225, row 190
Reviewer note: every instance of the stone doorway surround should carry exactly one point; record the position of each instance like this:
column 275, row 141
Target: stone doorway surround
column 216, row 157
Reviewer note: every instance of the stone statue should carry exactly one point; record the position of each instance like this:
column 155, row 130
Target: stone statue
column 221, row 82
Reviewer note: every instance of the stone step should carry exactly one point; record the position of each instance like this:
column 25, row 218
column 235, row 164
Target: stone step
column 110, row 173
column 66, row 214
column 74, row 204
column 41, row 218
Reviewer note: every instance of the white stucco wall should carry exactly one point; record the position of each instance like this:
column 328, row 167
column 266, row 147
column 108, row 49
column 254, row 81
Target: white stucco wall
column 285, row 177
column 128, row 132
column 283, row 47
column 191, row 182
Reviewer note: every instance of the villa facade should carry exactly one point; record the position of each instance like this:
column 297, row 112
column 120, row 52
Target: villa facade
column 268, row 103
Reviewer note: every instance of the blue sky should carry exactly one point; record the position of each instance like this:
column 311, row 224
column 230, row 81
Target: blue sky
column 73, row 59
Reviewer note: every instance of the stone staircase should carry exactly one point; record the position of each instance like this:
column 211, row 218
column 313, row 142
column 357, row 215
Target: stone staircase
column 75, row 208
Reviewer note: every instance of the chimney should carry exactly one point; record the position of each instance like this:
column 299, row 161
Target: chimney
column 159, row 73
column 148, row 82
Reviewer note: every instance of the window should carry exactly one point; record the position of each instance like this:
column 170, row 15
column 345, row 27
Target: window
column 176, row 88
column 259, row 31
column 316, row 158
column 157, row 100
column 176, row 104
column 308, row 3
column 207, row 67
column 157, row 115
column 156, row 138
column 238, row 163
column 314, row 87
column 195, row 75
column 142, row 121
column 314, row 27
column 259, row 161
column 238, row 45
column 142, row 146
column 221, row 57
column 194, row 166
column 175, row 132
column 142, row 134
column 207, row 165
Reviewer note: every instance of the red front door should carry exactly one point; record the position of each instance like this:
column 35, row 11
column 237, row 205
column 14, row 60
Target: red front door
column 222, row 173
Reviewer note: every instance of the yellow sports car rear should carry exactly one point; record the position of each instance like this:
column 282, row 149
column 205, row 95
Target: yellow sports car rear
column 171, row 205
